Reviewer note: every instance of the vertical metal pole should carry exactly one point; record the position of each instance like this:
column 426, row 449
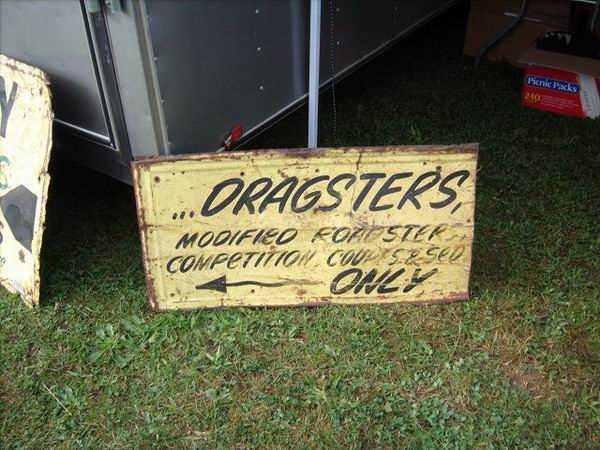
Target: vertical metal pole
column 313, row 73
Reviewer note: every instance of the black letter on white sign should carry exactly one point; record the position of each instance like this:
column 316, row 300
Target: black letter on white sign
column 6, row 105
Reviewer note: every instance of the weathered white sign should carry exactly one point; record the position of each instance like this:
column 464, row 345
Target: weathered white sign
column 25, row 142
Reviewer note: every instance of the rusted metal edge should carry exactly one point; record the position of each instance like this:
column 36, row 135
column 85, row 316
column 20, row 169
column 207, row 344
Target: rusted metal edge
column 471, row 148
column 470, row 270
column 327, row 301
column 143, row 227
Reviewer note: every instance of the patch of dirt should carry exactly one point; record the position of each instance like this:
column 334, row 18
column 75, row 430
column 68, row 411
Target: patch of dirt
column 5, row 397
column 579, row 344
column 527, row 377
column 523, row 370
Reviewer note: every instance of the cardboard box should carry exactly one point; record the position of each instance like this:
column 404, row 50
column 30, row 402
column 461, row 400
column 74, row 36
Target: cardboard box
column 488, row 18
column 559, row 83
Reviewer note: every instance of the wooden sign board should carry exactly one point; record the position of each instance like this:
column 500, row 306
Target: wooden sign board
column 25, row 142
column 307, row 227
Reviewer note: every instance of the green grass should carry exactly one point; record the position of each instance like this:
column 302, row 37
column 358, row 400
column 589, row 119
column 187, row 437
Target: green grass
column 515, row 367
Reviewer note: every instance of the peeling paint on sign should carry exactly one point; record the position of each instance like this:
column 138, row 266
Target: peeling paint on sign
column 25, row 142
column 307, row 227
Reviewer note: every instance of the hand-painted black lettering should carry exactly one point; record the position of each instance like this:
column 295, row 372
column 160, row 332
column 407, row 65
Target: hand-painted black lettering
column 246, row 234
column 311, row 198
column 409, row 229
column 457, row 253
column 291, row 258
column 443, row 253
column 287, row 186
column 432, row 254
column 368, row 282
column 222, row 238
column 449, row 192
column 417, row 279
column 420, row 232
column 439, row 229
column 356, row 235
column 269, row 235
column 419, row 186
column 387, row 189
column 391, row 233
column 258, row 238
column 395, row 257
column 233, row 260
column 339, row 278
column 206, row 239
column 321, row 234
column 412, row 259
column 253, row 192
column 384, row 287
column 208, row 209
column 341, row 234
column 170, row 263
column 187, row 263
column 6, row 105
column 220, row 258
column 280, row 258
column 203, row 262
column 331, row 190
column 373, row 234
column 331, row 258
column 286, row 236
column 186, row 240
column 371, row 180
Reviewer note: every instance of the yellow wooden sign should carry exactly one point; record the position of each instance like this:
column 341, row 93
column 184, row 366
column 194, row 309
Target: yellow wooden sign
column 307, row 227
column 25, row 142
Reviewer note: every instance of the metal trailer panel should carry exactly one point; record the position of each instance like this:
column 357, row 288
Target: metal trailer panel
column 134, row 72
column 223, row 63
column 53, row 36
column 361, row 27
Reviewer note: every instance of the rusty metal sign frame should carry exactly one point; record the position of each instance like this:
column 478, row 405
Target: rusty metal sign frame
column 154, row 178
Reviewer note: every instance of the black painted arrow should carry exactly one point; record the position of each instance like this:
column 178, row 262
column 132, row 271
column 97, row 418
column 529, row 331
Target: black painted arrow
column 220, row 284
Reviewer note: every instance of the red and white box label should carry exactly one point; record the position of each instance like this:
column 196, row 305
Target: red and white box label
column 561, row 92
